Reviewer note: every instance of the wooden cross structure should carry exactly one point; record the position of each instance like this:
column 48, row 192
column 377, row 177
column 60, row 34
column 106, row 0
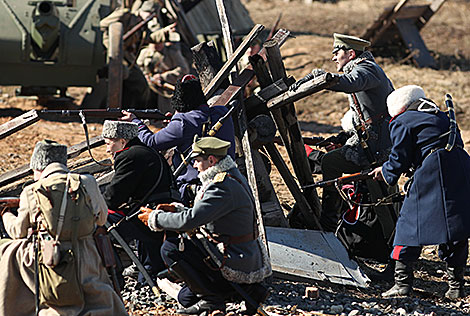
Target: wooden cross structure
column 273, row 103
column 397, row 28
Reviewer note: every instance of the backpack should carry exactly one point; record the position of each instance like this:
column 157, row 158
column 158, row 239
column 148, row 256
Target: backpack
column 59, row 283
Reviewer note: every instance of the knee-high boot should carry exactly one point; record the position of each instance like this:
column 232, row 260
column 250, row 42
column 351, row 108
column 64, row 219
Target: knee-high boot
column 456, row 282
column 403, row 280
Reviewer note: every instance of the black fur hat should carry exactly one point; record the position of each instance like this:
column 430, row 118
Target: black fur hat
column 188, row 94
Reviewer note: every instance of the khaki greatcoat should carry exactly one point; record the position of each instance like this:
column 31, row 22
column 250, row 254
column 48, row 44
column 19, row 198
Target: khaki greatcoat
column 17, row 285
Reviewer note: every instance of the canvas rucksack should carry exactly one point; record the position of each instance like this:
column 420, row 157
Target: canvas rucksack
column 58, row 263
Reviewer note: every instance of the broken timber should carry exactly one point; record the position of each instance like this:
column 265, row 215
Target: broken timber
column 18, row 123
column 399, row 26
column 310, row 87
column 286, row 121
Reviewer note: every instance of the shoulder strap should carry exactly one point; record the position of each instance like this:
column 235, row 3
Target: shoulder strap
column 63, row 206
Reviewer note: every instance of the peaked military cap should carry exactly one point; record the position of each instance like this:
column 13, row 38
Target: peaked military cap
column 209, row 146
column 119, row 129
column 46, row 152
column 343, row 41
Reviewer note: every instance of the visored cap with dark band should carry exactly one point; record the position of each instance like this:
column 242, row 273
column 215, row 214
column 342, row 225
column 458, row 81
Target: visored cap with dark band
column 342, row 41
column 209, row 146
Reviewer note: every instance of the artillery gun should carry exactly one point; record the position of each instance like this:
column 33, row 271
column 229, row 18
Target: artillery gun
column 48, row 46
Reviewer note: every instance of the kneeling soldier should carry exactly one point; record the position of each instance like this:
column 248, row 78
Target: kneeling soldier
column 224, row 216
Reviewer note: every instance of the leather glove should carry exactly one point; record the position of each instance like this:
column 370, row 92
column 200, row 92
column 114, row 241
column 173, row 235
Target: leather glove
column 167, row 207
column 315, row 73
column 144, row 216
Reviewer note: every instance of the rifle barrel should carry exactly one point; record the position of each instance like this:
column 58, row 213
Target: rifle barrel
column 109, row 113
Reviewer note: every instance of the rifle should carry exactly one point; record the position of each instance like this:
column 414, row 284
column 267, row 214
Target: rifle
column 138, row 26
column 109, row 113
column 9, row 202
column 234, row 105
column 363, row 175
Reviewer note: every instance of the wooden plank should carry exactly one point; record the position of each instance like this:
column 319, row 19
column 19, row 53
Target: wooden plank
column 115, row 67
column 413, row 41
column 292, row 185
column 411, row 12
column 289, row 130
column 72, row 152
column 310, row 87
column 387, row 22
column 232, row 61
column 18, row 123
column 240, row 119
column 256, row 103
column 426, row 16
column 207, row 62
column 247, row 73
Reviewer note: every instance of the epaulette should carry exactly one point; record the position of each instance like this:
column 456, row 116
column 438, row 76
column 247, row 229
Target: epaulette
column 220, row 177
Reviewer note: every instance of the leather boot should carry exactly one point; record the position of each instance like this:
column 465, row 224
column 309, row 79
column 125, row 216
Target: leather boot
column 202, row 307
column 259, row 293
column 456, row 282
column 331, row 206
column 403, row 280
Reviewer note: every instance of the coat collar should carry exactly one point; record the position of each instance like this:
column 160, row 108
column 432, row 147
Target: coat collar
column 364, row 56
column 52, row 168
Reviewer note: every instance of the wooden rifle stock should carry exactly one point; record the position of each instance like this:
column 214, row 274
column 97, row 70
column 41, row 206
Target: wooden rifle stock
column 105, row 249
column 363, row 175
column 8, row 202
column 138, row 26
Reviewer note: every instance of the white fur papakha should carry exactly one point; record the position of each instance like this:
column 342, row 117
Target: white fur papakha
column 120, row 129
column 400, row 99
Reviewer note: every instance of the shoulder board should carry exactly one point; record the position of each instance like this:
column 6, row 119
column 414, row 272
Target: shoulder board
column 220, row 177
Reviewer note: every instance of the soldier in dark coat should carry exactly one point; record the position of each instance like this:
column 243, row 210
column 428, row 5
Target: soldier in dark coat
column 192, row 117
column 435, row 210
column 367, row 87
column 142, row 176
column 224, row 210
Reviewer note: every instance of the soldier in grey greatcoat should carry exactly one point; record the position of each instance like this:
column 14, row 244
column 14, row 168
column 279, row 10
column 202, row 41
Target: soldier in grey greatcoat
column 367, row 87
column 224, row 213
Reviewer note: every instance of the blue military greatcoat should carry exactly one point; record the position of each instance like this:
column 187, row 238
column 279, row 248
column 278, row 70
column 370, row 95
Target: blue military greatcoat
column 436, row 208
column 180, row 133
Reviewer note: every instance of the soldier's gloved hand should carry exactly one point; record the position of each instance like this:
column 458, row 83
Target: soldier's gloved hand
column 144, row 217
column 127, row 116
column 166, row 207
column 301, row 81
column 315, row 73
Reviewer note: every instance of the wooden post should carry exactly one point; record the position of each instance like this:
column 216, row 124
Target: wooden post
column 207, row 62
column 289, row 130
column 242, row 122
column 115, row 68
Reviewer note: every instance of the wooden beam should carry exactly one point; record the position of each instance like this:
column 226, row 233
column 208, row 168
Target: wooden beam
column 207, row 62
column 247, row 74
column 289, row 130
column 72, row 152
column 115, row 67
column 232, row 60
column 388, row 21
column 18, row 123
column 310, row 87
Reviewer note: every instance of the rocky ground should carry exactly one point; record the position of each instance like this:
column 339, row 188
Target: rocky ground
column 448, row 39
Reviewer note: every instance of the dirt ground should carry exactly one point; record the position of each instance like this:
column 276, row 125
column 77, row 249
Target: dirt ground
column 446, row 36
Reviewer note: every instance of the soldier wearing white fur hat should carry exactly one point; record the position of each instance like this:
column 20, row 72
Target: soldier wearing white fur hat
column 435, row 209
column 142, row 176
column 84, row 288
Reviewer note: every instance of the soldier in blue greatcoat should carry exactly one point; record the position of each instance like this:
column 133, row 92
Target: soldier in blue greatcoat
column 224, row 212
column 193, row 117
column 436, row 206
